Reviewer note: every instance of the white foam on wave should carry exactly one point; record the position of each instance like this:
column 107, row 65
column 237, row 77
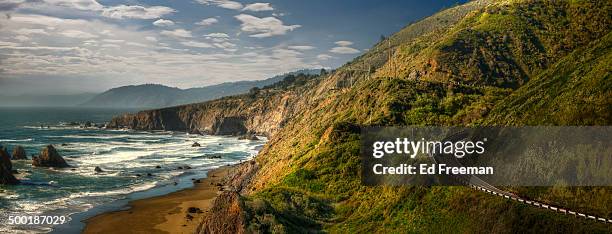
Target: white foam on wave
column 110, row 158
column 121, row 191
column 16, row 140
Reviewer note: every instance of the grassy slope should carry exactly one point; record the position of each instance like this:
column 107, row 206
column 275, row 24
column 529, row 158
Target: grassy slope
column 310, row 181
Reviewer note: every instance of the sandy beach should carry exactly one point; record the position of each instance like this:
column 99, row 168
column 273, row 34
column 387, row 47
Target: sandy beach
column 163, row 214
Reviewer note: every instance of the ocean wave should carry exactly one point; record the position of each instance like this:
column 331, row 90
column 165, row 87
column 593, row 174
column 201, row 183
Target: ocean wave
column 16, row 140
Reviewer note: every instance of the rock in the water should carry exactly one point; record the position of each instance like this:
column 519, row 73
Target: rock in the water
column 196, row 144
column 5, row 159
column 98, row 169
column 213, row 156
column 6, row 176
column 6, row 167
column 251, row 137
column 49, row 157
column 19, row 153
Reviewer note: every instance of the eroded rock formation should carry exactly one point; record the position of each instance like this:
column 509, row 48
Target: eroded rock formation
column 226, row 215
column 5, row 159
column 6, row 174
column 49, row 157
column 19, row 153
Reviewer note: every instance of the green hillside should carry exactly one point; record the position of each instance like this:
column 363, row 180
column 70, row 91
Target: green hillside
column 508, row 62
column 511, row 62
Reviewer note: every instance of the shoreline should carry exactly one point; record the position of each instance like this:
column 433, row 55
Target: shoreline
column 168, row 213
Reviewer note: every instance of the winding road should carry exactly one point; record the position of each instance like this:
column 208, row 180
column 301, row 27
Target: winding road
column 478, row 184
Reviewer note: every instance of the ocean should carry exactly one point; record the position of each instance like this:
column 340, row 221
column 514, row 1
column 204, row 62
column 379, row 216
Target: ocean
column 125, row 156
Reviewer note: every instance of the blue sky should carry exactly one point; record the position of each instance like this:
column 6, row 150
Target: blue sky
column 73, row 46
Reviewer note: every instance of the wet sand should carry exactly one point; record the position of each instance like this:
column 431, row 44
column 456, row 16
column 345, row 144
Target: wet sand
column 163, row 214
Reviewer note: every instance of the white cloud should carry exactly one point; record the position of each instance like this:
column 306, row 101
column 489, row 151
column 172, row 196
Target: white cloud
column 301, row 47
column 107, row 32
column 136, row 12
column 197, row 44
column 48, row 21
column 163, row 23
column 111, row 46
column 324, row 57
column 136, row 44
column 225, row 45
column 131, row 55
column 177, row 33
column 343, row 43
column 344, row 50
column 258, row 7
column 217, row 35
column 30, row 31
column 282, row 53
column 22, row 38
column 87, row 5
column 264, row 27
column 78, row 34
column 113, row 41
column 227, row 4
column 207, row 21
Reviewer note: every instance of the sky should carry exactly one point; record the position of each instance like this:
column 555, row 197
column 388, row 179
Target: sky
column 78, row 46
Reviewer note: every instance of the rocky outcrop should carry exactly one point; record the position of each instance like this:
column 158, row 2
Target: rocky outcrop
column 7, row 177
column 5, row 159
column 235, row 115
column 229, row 126
column 240, row 177
column 6, row 174
column 49, row 157
column 19, row 153
column 227, row 215
column 251, row 137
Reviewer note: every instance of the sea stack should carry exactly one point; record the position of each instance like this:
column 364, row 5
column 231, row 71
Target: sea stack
column 5, row 159
column 19, row 153
column 6, row 174
column 49, row 158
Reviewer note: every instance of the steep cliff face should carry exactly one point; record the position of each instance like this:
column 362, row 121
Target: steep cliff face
column 262, row 113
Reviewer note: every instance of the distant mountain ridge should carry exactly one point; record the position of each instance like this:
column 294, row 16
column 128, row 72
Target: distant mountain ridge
column 156, row 95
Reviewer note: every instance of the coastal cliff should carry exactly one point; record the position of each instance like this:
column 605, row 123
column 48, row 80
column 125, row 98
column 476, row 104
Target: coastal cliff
column 237, row 115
